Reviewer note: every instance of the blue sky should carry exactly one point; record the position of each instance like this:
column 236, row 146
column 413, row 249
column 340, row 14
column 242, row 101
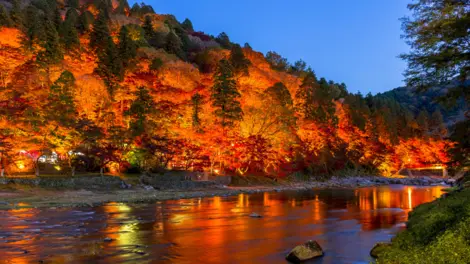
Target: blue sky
column 355, row 42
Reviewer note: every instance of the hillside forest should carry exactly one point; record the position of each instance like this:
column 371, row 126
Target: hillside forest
column 101, row 86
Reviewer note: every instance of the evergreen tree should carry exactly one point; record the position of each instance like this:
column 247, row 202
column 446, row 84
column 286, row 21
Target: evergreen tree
column 153, row 38
column 173, row 45
column 306, row 95
column 34, row 28
column 276, row 61
column 73, row 4
column 56, row 17
column 16, row 14
column 196, row 101
column 238, row 60
column 224, row 40
column 61, row 106
column 51, row 53
column 68, row 31
column 156, row 65
column 140, row 110
column 127, row 47
column 109, row 66
column 123, row 7
column 225, row 95
column 100, row 36
column 135, row 10
column 436, row 125
column 5, row 20
column 85, row 20
column 423, row 123
column 187, row 25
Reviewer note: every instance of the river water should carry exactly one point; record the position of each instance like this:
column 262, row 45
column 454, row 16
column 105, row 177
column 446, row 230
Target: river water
column 345, row 222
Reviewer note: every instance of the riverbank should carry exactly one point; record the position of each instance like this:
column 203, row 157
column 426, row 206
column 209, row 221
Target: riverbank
column 437, row 232
column 13, row 195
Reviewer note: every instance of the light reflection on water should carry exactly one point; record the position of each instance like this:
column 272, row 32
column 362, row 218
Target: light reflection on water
column 347, row 223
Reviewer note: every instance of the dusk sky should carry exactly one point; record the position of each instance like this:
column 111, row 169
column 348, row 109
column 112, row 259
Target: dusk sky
column 355, row 42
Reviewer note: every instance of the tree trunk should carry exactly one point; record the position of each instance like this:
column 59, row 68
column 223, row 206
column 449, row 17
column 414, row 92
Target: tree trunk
column 2, row 172
column 73, row 171
column 102, row 171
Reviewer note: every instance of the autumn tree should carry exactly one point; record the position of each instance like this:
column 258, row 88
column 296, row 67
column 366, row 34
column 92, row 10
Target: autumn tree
column 238, row 60
column 225, row 95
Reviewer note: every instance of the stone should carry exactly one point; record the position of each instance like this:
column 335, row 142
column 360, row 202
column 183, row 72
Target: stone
column 304, row 252
column 255, row 215
column 108, row 239
column 378, row 248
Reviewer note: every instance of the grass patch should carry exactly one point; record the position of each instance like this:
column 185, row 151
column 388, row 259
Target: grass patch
column 437, row 232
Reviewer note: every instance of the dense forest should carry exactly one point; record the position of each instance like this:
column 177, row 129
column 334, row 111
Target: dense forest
column 99, row 85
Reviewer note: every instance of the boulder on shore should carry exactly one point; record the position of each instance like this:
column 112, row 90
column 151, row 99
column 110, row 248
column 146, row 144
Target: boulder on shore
column 304, row 252
column 378, row 248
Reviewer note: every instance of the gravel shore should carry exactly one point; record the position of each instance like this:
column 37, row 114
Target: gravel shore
column 39, row 198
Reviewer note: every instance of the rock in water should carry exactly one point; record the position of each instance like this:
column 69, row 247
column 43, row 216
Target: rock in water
column 107, row 239
column 255, row 215
column 378, row 248
column 304, row 252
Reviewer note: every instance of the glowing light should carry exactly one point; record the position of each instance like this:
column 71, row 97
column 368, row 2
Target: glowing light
column 23, row 151
column 57, row 168
column 20, row 165
column 233, row 145
column 216, row 171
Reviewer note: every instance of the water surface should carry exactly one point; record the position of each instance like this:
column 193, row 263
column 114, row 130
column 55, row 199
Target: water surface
column 345, row 222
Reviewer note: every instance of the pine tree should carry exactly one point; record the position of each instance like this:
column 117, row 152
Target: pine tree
column 187, row 25
column 306, row 96
column 5, row 20
column 73, row 4
column 123, row 7
column 173, row 45
column 436, row 124
column 238, row 60
column 61, row 105
column 196, row 101
column 423, row 123
column 33, row 27
column 16, row 14
column 100, row 36
column 56, row 17
column 51, row 53
column 85, row 20
column 153, row 38
column 127, row 47
column 68, row 31
column 225, row 95
column 224, row 40
column 109, row 66
column 139, row 111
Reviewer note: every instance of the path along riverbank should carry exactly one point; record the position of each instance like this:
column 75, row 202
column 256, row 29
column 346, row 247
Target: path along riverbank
column 25, row 196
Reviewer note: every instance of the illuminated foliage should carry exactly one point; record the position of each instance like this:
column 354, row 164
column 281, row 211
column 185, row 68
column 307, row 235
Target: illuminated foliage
column 148, row 93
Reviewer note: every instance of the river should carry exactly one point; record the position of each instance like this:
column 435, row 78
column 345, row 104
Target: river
column 345, row 222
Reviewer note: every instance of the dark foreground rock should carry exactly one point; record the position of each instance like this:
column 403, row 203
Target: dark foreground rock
column 378, row 248
column 304, row 252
